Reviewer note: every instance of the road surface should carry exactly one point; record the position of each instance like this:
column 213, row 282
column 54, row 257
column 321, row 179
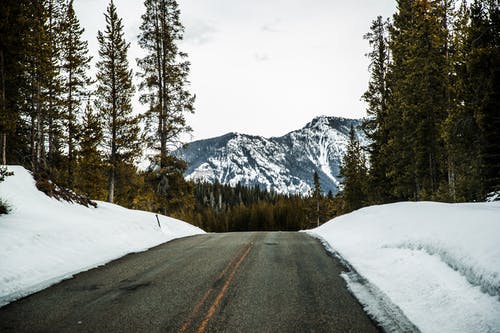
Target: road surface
column 235, row 282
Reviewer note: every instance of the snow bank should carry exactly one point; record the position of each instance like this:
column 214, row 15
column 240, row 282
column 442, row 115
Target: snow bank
column 43, row 241
column 439, row 264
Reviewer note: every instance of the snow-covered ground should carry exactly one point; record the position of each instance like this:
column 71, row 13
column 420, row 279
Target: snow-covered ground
column 437, row 265
column 43, row 241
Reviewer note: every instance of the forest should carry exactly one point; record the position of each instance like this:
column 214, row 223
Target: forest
column 80, row 137
column 433, row 116
column 433, row 101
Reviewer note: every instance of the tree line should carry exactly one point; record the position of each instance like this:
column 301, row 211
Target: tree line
column 80, row 137
column 433, row 106
column 80, row 132
column 433, row 120
column 223, row 208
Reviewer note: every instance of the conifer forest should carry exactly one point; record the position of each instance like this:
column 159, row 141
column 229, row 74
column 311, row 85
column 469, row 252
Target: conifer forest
column 433, row 114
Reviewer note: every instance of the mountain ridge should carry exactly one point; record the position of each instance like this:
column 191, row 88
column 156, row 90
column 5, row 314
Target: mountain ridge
column 284, row 164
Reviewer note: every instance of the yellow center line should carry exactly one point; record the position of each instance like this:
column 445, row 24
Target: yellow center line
column 207, row 294
column 195, row 311
column 219, row 297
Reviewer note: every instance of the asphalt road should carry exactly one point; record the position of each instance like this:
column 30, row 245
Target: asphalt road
column 237, row 282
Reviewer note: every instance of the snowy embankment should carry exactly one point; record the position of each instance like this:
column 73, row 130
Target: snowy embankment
column 43, row 241
column 437, row 265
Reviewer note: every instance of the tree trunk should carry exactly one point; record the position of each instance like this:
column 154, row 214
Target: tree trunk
column 451, row 180
column 111, row 184
column 4, row 108
column 4, row 145
column 317, row 213
column 39, row 129
column 33, row 131
column 70, row 135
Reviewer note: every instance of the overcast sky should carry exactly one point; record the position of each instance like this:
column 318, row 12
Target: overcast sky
column 263, row 67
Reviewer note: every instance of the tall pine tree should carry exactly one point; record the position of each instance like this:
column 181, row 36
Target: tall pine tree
column 417, row 106
column 36, row 65
column 114, row 92
column 15, row 26
column 483, row 86
column 164, row 74
column 75, row 64
column 90, row 175
column 376, row 125
column 460, row 130
column 56, row 10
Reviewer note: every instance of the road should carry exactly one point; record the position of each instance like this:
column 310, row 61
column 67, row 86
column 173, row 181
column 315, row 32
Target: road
column 235, row 282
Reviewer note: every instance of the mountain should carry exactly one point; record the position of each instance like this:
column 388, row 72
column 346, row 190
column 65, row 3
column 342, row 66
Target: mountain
column 283, row 164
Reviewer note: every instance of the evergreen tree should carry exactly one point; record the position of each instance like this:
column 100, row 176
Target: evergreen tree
column 114, row 92
column 90, row 176
column 460, row 130
column 30, row 81
column 173, row 192
column 36, row 65
column 418, row 101
column 164, row 72
column 354, row 173
column 14, row 27
column 483, row 87
column 75, row 64
column 317, row 195
column 376, row 125
column 54, row 93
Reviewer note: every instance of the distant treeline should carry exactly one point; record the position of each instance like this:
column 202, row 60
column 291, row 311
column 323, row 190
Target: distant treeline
column 222, row 208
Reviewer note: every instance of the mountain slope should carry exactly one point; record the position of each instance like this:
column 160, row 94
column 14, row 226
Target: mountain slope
column 283, row 164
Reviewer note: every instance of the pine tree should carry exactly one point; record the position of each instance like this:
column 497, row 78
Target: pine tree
column 14, row 27
column 54, row 92
column 35, row 65
column 164, row 75
column 317, row 196
column 172, row 190
column 164, row 72
column 75, row 65
column 483, row 86
column 354, row 173
column 376, row 124
column 418, row 101
column 114, row 92
column 90, row 175
column 460, row 130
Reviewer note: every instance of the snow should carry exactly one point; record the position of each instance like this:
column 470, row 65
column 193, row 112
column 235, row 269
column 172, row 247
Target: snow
column 493, row 196
column 432, row 265
column 282, row 164
column 43, row 241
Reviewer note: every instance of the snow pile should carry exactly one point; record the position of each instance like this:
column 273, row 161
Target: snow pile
column 437, row 265
column 43, row 241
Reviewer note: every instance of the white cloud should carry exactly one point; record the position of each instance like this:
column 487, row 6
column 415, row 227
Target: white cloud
column 199, row 32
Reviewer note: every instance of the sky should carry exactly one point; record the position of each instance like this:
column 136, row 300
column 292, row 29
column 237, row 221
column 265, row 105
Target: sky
column 262, row 67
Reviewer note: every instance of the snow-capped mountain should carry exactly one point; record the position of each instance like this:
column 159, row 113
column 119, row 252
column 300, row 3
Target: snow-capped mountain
column 283, row 164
